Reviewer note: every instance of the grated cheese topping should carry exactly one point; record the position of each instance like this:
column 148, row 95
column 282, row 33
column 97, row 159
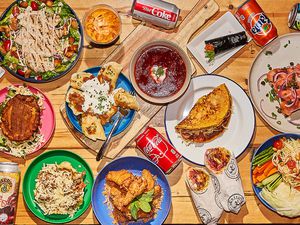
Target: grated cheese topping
column 59, row 189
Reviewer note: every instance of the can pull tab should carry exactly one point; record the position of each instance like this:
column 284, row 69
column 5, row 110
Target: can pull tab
column 2, row 71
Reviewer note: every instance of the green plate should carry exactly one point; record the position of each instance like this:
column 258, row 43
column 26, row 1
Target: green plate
column 51, row 157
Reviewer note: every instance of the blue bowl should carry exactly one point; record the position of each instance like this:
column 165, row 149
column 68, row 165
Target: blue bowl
column 32, row 79
column 265, row 145
column 135, row 165
column 122, row 82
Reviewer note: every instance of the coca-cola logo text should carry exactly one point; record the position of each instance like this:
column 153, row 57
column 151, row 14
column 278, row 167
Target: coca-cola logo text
column 157, row 12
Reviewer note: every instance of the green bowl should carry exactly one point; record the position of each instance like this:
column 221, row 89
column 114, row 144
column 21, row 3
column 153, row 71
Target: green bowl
column 51, row 157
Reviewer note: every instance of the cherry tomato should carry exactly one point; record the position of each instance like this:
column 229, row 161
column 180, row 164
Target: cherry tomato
column 34, row 6
column 291, row 164
column 278, row 144
column 39, row 77
column 15, row 11
column 21, row 72
column 6, row 45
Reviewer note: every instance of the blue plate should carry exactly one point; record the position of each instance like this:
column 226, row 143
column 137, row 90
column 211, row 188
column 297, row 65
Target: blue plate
column 122, row 82
column 135, row 165
column 265, row 145
column 32, row 79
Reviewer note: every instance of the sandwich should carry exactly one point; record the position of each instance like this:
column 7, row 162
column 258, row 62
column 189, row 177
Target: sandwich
column 208, row 118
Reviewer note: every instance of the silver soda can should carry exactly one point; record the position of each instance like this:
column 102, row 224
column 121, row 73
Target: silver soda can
column 156, row 12
column 294, row 17
column 9, row 189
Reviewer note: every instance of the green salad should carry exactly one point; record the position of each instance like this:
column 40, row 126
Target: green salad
column 39, row 39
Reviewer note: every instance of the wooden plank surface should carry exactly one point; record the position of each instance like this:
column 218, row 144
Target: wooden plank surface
column 199, row 13
column 237, row 68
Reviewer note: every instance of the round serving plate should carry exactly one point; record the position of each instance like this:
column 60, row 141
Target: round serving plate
column 122, row 82
column 134, row 165
column 262, row 147
column 47, row 126
column 172, row 45
column 32, row 79
column 278, row 54
column 51, row 157
column 239, row 132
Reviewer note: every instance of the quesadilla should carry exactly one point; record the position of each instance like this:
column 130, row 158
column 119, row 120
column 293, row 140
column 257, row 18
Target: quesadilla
column 208, row 118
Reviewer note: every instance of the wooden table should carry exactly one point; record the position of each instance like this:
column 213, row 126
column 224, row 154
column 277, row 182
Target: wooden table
column 237, row 68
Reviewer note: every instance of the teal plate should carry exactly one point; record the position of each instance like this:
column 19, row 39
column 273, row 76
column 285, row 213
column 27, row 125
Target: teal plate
column 51, row 157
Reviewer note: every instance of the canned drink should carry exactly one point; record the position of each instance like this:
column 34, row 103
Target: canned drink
column 255, row 21
column 294, row 17
column 9, row 189
column 158, row 149
column 156, row 12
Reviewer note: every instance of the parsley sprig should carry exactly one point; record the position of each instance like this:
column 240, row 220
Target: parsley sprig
column 159, row 72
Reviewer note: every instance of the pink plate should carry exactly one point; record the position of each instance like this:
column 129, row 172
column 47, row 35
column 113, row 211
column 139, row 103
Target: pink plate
column 47, row 117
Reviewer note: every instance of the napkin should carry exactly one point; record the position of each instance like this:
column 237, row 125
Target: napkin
column 205, row 198
column 228, row 182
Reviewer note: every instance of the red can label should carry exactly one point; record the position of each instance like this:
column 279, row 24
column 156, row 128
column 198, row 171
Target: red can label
column 157, row 12
column 158, row 149
column 260, row 24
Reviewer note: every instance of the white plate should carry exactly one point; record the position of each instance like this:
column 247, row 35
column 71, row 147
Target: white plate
column 227, row 24
column 240, row 128
column 281, row 57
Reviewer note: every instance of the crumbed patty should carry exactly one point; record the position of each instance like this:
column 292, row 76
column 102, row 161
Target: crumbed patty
column 20, row 118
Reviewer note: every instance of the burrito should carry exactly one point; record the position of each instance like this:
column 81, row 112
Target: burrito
column 221, row 163
column 201, row 186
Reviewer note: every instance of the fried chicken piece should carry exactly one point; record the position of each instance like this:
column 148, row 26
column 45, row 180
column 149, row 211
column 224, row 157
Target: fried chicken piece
column 136, row 188
column 157, row 191
column 149, row 178
column 123, row 178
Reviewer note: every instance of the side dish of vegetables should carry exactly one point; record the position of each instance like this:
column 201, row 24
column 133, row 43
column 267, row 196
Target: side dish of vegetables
column 276, row 172
column 39, row 39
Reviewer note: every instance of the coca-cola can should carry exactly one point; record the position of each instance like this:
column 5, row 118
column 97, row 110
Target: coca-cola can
column 156, row 12
column 158, row 149
column 9, row 190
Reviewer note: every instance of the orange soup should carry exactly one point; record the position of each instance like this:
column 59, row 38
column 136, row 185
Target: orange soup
column 102, row 25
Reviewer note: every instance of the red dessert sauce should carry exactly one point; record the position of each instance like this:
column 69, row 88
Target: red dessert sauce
column 170, row 61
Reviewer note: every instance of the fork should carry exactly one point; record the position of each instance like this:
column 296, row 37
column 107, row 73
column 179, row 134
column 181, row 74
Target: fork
column 121, row 114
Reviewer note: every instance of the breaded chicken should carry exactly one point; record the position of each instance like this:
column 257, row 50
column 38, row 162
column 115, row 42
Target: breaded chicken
column 149, row 178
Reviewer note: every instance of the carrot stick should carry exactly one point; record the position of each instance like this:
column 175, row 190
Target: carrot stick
column 254, row 179
column 255, row 171
column 264, row 166
column 272, row 171
column 269, row 168
column 261, row 177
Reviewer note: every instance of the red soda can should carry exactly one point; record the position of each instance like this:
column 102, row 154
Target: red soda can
column 255, row 21
column 158, row 149
column 156, row 12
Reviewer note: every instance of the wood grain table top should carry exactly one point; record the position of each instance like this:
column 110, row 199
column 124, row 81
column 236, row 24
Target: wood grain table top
column 236, row 68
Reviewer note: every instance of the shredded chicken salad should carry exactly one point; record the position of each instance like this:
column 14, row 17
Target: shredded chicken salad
column 59, row 189
column 21, row 149
column 287, row 160
column 39, row 40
